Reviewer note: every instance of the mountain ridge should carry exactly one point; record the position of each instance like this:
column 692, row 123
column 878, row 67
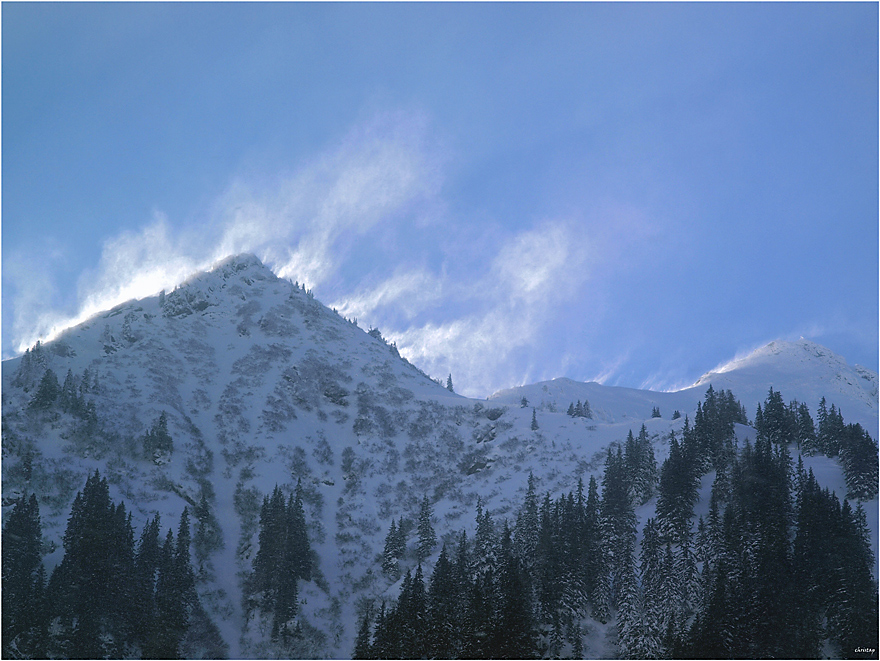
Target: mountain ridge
column 262, row 385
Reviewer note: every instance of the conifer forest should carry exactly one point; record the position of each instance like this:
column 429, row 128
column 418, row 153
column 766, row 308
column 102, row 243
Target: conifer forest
column 779, row 568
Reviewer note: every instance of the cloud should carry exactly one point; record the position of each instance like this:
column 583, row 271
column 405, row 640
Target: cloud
column 304, row 225
column 307, row 224
column 364, row 225
column 510, row 308
column 34, row 293
column 407, row 292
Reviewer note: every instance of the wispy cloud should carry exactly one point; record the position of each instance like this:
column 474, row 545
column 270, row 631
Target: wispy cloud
column 303, row 225
column 358, row 224
column 531, row 275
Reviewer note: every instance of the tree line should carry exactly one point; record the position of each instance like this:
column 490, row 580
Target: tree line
column 779, row 568
column 110, row 597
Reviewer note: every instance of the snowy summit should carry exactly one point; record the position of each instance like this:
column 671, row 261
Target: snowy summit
column 316, row 492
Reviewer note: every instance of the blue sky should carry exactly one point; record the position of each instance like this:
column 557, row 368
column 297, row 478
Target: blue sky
column 630, row 193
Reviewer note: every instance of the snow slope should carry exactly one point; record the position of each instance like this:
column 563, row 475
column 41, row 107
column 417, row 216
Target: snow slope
column 263, row 385
column 801, row 370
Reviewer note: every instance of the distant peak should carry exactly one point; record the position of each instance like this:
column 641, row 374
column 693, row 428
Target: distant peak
column 777, row 351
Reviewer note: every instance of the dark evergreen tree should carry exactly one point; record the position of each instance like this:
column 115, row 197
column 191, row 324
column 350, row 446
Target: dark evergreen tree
column 91, row 589
column 157, row 441
column 485, row 552
column 776, row 422
column 618, row 521
column 528, row 526
column 144, row 621
column 390, row 556
column 513, row 631
column 24, row 582
column 299, row 549
column 427, row 536
column 208, row 536
column 806, row 430
column 477, row 624
column 449, row 383
column 443, row 611
column 283, row 557
column 363, row 649
column 641, row 466
column 652, row 587
column 858, row 457
column 47, row 392
column 534, row 420
column 587, row 411
column 677, row 493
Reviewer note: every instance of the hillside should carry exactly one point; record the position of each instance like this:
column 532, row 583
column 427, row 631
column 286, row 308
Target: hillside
column 261, row 385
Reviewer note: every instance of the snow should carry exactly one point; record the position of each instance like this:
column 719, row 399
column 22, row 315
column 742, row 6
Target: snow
column 264, row 386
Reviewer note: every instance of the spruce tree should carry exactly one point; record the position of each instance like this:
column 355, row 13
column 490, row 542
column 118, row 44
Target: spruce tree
column 23, row 594
column 527, row 525
column 443, row 611
column 91, row 588
column 362, row 647
column 390, row 564
column 427, row 536
column 47, row 392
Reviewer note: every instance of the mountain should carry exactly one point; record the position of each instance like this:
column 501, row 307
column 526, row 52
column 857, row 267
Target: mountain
column 805, row 371
column 801, row 370
column 261, row 386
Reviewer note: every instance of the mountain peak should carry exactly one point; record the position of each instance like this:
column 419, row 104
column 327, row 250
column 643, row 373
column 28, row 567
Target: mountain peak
column 781, row 353
column 803, row 370
column 240, row 262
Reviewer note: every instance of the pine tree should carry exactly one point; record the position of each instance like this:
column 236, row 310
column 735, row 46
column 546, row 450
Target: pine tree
column 618, row 520
column 23, row 594
column 485, row 542
column 146, row 568
column 427, row 537
column 635, row 639
column 449, row 383
column 443, row 611
column 283, row 557
column 157, row 441
column 390, row 557
column 527, row 526
column 513, row 631
column 298, row 548
column 534, row 420
column 588, row 413
column 362, row 647
column 677, row 493
column 651, row 577
column 806, row 430
column 858, row 457
column 208, row 536
column 47, row 392
column 91, row 587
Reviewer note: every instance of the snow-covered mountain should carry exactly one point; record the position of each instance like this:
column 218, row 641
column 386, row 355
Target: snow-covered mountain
column 801, row 370
column 263, row 386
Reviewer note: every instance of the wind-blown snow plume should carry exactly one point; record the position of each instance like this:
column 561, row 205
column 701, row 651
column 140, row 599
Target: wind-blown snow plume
column 303, row 225
column 531, row 275
column 364, row 225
